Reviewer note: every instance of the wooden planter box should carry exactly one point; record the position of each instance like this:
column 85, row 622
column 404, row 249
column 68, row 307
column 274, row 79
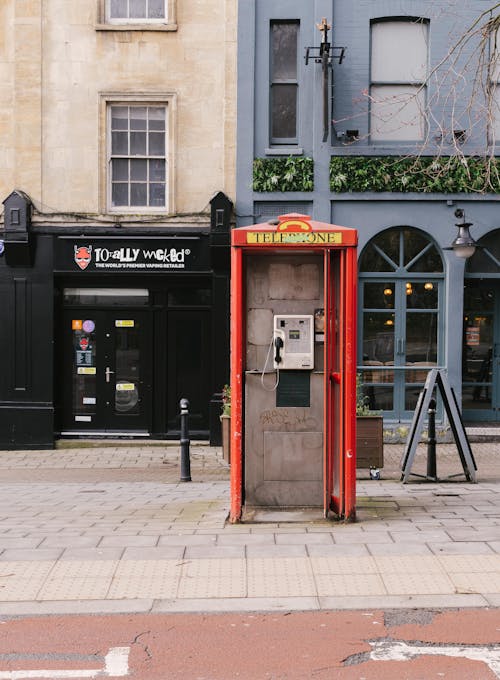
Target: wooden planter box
column 226, row 437
column 369, row 441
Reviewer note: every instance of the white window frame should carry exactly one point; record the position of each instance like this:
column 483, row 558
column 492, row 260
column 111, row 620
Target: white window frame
column 168, row 100
column 276, row 82
column 402, row 109
column 166, row 23
column 493, row 121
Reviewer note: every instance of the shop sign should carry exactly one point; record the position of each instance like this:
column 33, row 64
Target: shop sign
column 131, row 255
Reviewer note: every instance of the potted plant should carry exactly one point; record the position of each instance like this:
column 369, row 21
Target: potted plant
column 369, row 431
column 225, row 419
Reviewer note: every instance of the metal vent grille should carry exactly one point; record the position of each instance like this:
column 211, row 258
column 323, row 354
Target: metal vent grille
column 269, row 209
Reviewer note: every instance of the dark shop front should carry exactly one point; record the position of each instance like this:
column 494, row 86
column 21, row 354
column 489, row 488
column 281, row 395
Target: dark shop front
column 105, row 330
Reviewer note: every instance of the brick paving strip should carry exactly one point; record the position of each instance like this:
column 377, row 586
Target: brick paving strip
column 111, row 529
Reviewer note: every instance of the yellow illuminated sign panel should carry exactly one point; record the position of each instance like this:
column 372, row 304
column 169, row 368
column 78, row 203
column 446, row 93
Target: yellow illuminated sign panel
column 292, row 237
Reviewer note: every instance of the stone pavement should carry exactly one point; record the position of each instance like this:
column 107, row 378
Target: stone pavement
column 111, row 529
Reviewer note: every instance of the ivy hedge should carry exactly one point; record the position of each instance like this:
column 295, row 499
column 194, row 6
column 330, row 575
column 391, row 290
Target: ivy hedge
column 447, row 175
column 424, row 175
column 295, row 173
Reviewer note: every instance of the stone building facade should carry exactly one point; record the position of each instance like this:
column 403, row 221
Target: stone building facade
column 117, row 129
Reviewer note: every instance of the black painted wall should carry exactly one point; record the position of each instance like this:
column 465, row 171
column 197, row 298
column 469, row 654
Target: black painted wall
column 26, row 351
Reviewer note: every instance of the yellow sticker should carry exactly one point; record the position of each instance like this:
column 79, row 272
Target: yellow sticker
column 86, row 370
column 125, row 387
column 124, row 323
column 76, row 324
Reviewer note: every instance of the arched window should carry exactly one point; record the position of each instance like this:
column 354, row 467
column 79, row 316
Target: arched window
column 401, row 274
column 486, row 259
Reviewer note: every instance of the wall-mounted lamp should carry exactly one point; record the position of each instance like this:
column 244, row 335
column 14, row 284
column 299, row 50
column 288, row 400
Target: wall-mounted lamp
column 463, row 245
column 324, row 55
column 348, row 136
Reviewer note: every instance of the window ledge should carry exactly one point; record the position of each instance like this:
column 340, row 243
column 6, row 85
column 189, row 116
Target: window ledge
column 284, row 151
column 136, row 27
column 380, row 149
column 138, row 211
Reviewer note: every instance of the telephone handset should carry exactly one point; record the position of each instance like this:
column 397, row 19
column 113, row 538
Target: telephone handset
column 278, row 344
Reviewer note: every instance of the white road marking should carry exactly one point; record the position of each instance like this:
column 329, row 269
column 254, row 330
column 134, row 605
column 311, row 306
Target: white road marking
column 115, row 666
column 398, row 650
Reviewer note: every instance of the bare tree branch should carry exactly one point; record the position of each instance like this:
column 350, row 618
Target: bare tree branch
column 458, row 102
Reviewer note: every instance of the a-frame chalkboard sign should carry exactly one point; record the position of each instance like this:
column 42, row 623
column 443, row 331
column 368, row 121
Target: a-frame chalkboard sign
column 437, row 379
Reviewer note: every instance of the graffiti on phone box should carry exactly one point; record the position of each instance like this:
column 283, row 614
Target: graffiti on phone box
column 285, row 418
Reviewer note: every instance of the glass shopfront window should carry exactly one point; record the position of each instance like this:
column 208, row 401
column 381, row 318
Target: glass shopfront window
column 401, row 276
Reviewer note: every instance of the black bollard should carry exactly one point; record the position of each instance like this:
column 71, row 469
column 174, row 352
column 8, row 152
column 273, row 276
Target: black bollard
column 431, row 441
column 185, row 459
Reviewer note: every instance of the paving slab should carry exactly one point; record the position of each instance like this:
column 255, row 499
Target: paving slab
column 219, row 552
column 283, row 550
column 111, row 529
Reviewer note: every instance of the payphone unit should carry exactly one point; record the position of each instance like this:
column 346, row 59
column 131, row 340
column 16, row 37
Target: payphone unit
column 293, row 342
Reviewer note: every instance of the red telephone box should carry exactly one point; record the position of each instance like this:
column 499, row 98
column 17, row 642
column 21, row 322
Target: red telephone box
column 293, row 367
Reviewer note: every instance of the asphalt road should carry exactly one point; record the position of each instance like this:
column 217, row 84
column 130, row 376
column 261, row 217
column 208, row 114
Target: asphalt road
column 351, row 645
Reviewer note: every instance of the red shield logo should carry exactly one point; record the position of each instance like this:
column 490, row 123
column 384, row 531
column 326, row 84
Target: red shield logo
column 83, row 256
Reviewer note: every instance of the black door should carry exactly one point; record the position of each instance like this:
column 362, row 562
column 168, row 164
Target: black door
column 189, row 367
column 106, row 371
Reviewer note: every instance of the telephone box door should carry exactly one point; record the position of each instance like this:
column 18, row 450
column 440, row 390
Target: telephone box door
column 330, row 426
column 340, row 369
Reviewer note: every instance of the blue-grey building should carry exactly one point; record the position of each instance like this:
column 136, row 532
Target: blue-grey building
column 382, row 115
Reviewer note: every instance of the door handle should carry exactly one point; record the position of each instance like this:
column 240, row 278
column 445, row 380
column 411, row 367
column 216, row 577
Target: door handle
column 108, row 373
